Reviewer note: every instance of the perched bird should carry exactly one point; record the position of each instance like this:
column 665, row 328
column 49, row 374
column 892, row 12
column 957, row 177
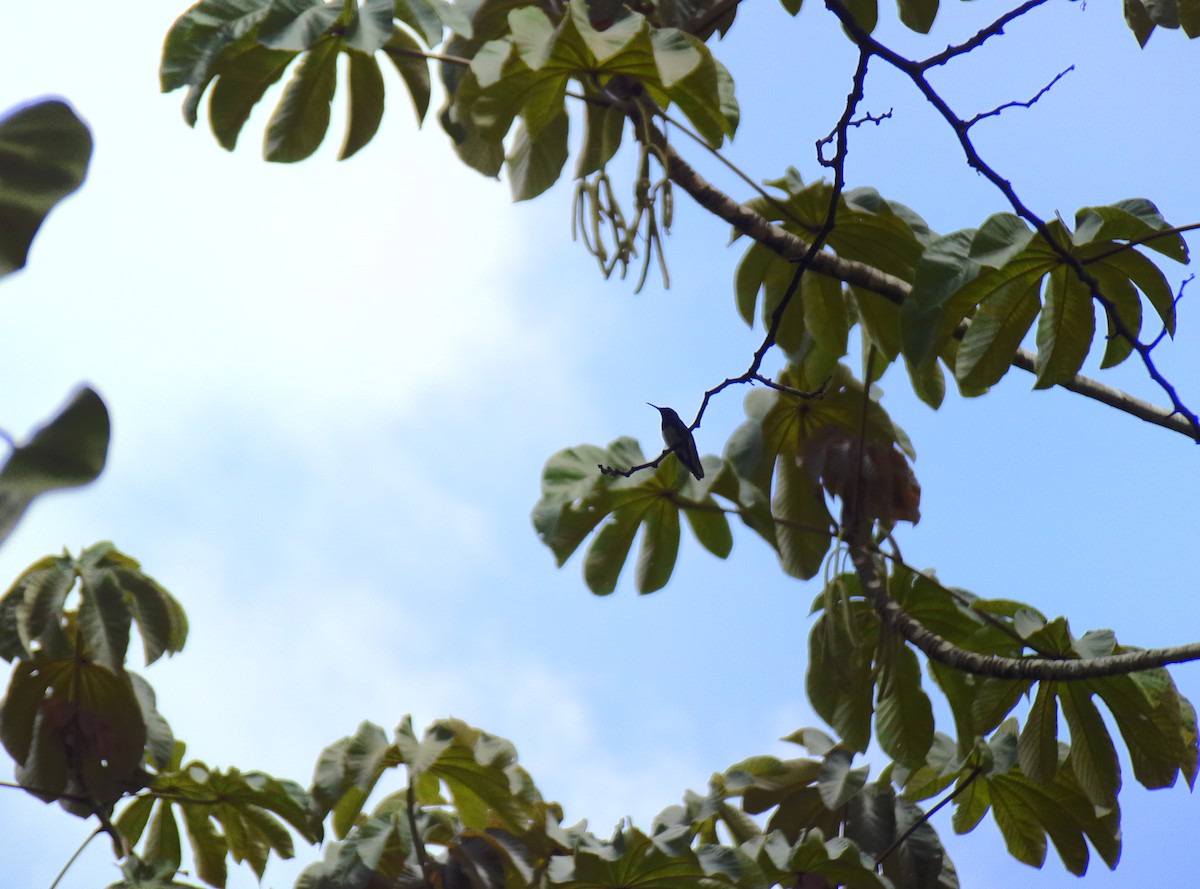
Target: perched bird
column 678, row 438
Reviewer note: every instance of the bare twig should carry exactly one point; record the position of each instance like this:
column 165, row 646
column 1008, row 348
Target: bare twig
column 985, row 34
column 66, row 867
column 995, row 112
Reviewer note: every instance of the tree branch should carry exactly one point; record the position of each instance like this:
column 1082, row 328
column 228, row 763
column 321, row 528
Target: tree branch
column 1032, row 668
column 916, row 73
column 896, row 290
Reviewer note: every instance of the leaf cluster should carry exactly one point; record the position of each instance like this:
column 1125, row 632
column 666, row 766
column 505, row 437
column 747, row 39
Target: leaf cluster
column 76, row 722
column 468, row 814
column 504, row 60
column 242, row 47
column 226, row 813
column 774, row 476
column 1002, row 277
column 866, row 683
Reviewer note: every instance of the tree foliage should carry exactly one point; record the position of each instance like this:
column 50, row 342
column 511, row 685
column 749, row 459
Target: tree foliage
column 818, row 470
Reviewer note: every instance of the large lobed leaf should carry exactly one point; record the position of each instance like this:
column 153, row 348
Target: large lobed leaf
column 44, row 153
column 242, row 47
column 70, row 450
column 114, row 594
column 989, row 286
column 578, row 499
column 243, row 816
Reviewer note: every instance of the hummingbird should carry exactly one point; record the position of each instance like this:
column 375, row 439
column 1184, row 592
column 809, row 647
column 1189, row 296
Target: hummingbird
column 678, row 438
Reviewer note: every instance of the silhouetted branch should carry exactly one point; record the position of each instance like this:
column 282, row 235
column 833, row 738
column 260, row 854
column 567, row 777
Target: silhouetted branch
column 916, row 73
column 983, row 35
column 1027, row 104
column 976, row 771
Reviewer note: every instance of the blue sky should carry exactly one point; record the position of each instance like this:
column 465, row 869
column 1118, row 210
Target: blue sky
column 333, row 387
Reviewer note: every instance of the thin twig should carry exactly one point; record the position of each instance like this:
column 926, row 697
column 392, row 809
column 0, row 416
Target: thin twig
column 995, row 112
column 66, row 867
column 990, row 31
column 435, row 56
column 976, row 771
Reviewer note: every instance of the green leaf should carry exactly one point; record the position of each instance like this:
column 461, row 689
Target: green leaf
column 1189, row 18
column 1147, row 277
column 298, row 25
column 919, row 861
column 1000, row 239
column 535, row 162
column 609, row 550
column 603, row 127
column 69, row 451
column 690, row 77
column 837, row 859
column 1139, row 20
column 1065, row 328
column 348, row 770
column 1018, row 823
column 918, row 14
column 160, row 740
column 660, row 541
column 997, row 329
column 825, row 312
column 481, row 774
column 711, row 528
column 366, row 102
column 937, row 302
column 871, row 816
column 838, row 782
column 372, row 28
column 575, row 497
column 994, row 700
column 299, row 122
column 1146, row 707
column 208, row 846
column 44, row 154
column 864, row 12
column 232, row 813
column 1092, row 758
column 422, row 16
column 903, row 714
column 162, row 842
column 1038, row 744
column 73, row 711
column 631, row 859
column 200, row 36
column 134, row 817
column 1134, row 219
column 244, row 78
column 1119, row 291
column 840, row 683
column 414, row 70
column 32, row 610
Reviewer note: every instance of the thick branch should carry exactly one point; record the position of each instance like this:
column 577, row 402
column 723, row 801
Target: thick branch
column 771, row 236
column 860, row 274
column 1033, row 668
